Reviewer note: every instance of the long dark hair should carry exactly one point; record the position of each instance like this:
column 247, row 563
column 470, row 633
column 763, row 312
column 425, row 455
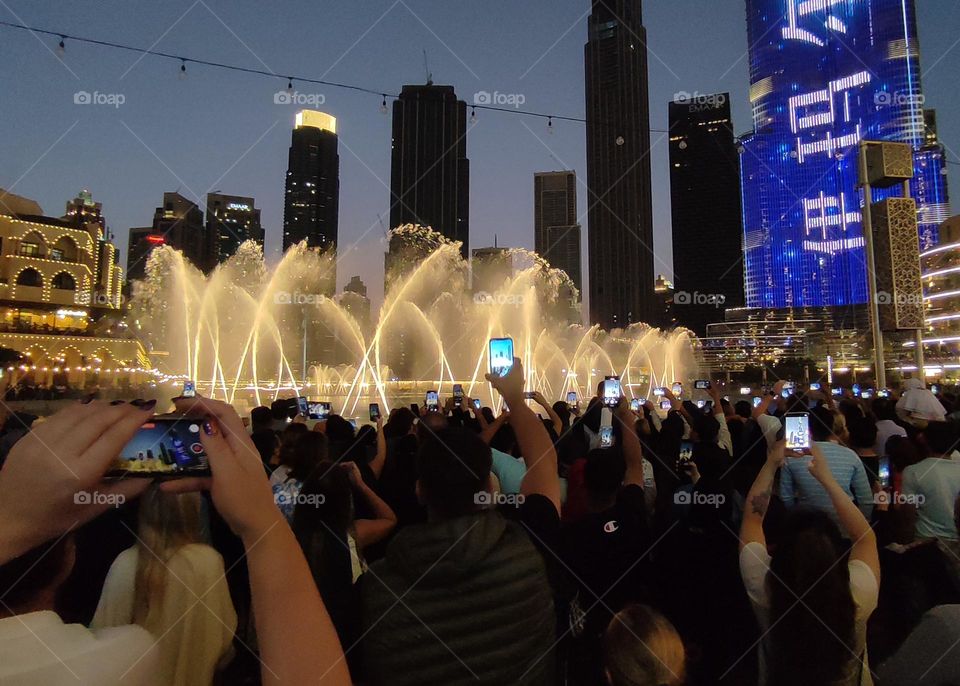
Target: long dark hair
column 322, row 520
column 308, row 451
column 812, row 639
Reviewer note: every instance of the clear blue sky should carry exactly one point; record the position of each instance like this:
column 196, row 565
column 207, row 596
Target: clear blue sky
column 220, row 130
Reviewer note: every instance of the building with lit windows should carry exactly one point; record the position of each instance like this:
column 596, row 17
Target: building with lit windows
column 231, row 220
column 311, row 201
column 940, row 270
column 60, row 299
column 825, row 75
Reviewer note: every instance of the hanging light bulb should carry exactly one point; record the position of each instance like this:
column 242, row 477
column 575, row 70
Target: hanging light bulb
column 289, row 86
column 383, row 105
column 61, row 49
column 183, row 70
column 550, row 125
column 473, row 115
column 682, row 145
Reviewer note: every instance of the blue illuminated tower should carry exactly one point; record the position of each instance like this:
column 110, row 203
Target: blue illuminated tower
column 825, row 74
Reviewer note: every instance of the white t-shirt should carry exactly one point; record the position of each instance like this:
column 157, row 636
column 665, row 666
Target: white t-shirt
column 754, row 566
column 38, row 648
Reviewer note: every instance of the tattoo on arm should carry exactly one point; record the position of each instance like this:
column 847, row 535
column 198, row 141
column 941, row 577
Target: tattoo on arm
column 760, row 502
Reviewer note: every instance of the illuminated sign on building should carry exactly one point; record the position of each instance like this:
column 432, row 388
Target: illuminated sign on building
column 826, row 74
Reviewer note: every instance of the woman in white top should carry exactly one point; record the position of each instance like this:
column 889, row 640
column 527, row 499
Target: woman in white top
column 812, row 609
column 173, row 585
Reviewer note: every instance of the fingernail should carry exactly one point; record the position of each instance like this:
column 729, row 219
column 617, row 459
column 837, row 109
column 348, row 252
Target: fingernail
column 116, row 402
column 147, row 406
column 87, row 398
column 209, row 429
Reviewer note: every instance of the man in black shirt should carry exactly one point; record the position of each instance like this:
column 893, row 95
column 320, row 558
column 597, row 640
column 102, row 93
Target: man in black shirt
column 605, row 551
column 477, row 605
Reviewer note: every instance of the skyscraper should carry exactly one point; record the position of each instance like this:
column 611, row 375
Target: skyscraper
column 429, row 169
column 142, row 240
column 312, row 196
column 556, row 232
column 823, row 77
column 231, row 220
column 619, row 210
column 705, row 204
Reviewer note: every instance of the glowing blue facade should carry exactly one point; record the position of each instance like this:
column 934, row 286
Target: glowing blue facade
column 825, row 74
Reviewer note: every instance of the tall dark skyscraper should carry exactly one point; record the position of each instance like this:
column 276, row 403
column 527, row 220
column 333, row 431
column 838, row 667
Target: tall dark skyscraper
column 556, row 232
column 619, row 211
column 231, row 220
column 312, row 197
column 705, row 203
column 429, row 170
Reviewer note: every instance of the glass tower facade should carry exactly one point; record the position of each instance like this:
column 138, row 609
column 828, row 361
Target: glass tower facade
column 825, row 74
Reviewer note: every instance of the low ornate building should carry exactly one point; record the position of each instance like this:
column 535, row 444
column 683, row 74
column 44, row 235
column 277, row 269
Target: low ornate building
column 60, row 300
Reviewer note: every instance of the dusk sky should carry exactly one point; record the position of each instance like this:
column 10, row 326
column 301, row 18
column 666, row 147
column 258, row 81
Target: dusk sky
column 221, row 130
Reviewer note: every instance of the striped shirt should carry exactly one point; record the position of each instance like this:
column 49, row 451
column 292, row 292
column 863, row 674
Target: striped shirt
column 798, row 487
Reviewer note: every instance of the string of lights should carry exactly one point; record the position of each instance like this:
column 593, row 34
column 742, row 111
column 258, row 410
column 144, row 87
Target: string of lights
column 291, row 79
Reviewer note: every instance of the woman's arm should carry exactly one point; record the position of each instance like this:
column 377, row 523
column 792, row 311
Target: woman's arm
column 490, row 430
column 758, row 499
column 298, row 642
column 376, row 465
column 554, row 417
column 370, row 531
column 864, row 546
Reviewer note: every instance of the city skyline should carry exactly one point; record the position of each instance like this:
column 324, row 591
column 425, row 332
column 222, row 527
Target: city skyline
column 503, row 149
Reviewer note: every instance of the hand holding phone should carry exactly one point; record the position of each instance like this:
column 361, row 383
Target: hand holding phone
column 189, row 390
column 374, row 412
column 797, row 431
column 501, row 356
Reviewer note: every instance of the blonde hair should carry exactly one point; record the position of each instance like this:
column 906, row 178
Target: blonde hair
column 168, row 521
column 641, row 648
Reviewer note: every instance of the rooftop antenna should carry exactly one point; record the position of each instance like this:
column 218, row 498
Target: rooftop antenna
column 426, row 69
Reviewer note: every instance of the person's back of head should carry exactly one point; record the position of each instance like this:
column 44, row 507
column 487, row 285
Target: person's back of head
column 821, row 424
column 603, row 475
column 278, row 410
column 863, row 433
column 453, row 467
column 260, row 418
column 743, row 408
column 339, row 429
column 288, row 437
column 707, row 428
column 884, row 408
column 903, row 452
column 322, row 519
column 941, row 437
column 400, row 422
column 431, row 424
column 167, row 522
column 308, row 451
column 642, row 648
column 808, row 563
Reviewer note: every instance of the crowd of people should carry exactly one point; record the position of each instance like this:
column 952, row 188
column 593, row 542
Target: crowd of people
column 542, row 543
